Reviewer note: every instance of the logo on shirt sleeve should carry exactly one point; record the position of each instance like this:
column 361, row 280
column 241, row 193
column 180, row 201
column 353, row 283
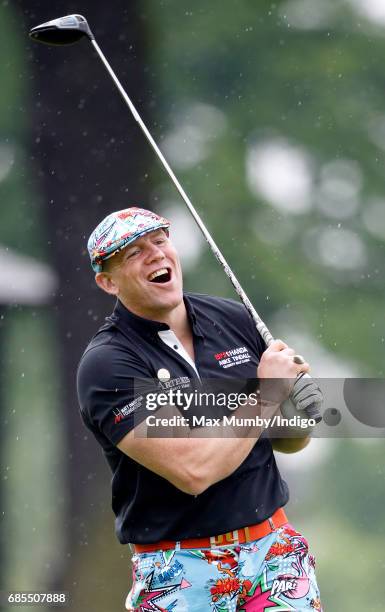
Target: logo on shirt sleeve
column 233, row 357
column 122, row 413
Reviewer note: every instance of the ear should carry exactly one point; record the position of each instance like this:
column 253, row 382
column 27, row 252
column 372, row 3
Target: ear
column 107, row 283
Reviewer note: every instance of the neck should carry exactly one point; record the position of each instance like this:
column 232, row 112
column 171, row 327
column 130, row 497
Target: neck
column 176, row 318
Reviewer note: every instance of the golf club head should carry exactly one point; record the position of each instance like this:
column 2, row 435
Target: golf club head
column 62, row 31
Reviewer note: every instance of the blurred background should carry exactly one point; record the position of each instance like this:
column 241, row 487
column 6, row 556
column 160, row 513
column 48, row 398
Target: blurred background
column 272, row 114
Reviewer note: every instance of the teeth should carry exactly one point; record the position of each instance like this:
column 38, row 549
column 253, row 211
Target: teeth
column 157, row 273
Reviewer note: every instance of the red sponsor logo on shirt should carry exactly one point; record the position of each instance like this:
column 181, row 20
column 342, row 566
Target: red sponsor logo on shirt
column 221, row 355
column 232, row 357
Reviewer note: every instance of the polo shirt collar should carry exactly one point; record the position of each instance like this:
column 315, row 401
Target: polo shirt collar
column 192, row 315
column 150, row 327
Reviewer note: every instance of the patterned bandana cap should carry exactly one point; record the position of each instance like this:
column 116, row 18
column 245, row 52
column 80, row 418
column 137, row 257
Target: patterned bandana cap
column 118, row 230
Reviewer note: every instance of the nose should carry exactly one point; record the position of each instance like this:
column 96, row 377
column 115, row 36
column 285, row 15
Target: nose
column 154, row 253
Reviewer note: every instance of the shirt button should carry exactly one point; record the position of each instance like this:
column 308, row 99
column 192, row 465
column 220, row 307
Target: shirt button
column 176, row 347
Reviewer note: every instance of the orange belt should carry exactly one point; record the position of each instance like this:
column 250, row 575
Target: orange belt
column 238, row 536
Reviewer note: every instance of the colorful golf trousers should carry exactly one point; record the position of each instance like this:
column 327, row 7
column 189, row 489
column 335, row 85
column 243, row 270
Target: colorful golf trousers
column 275, row 572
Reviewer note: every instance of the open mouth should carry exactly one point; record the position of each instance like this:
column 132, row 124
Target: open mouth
column 163, row 275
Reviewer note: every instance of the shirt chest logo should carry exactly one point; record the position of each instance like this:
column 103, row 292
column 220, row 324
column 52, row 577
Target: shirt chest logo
column 163, row 374
column 181, row 382
column 233, row 357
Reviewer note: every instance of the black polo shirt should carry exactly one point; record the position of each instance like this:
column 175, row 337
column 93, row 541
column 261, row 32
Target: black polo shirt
column 128, row 348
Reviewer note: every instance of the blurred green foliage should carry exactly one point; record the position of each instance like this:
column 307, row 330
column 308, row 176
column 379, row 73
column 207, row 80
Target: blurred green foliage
column 33, row 450
column 317, row 88
column 343, row 518
column 13, row 115
column 20, row 219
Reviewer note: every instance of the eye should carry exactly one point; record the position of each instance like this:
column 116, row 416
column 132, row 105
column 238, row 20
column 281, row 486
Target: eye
column 132, row 254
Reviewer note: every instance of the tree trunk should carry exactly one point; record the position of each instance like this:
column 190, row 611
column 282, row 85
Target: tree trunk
column 90, row 159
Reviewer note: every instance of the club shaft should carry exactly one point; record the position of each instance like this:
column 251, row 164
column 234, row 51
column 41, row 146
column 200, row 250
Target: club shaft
column 261, row 327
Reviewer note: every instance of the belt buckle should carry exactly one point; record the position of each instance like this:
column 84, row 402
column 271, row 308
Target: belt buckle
column 231, row 537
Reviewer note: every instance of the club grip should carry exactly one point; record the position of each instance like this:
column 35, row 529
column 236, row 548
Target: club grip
column 306, row 395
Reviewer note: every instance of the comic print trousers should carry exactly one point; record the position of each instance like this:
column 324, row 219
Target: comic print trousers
column 275, row 572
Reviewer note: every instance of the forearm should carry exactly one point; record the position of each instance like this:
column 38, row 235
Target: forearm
column 194, row 459
column 290, row 438
column 190, row 464
column 225, row 447
column 290, row 445
column 214, row 459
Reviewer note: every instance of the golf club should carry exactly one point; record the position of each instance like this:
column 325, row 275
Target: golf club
column 306, row 394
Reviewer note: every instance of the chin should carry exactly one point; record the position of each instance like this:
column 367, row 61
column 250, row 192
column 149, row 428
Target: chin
column 173, row 301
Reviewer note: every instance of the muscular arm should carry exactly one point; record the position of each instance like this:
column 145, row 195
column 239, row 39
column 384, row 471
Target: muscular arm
column 193, row 464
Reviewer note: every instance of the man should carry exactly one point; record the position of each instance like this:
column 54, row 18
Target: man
column 204, row 514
